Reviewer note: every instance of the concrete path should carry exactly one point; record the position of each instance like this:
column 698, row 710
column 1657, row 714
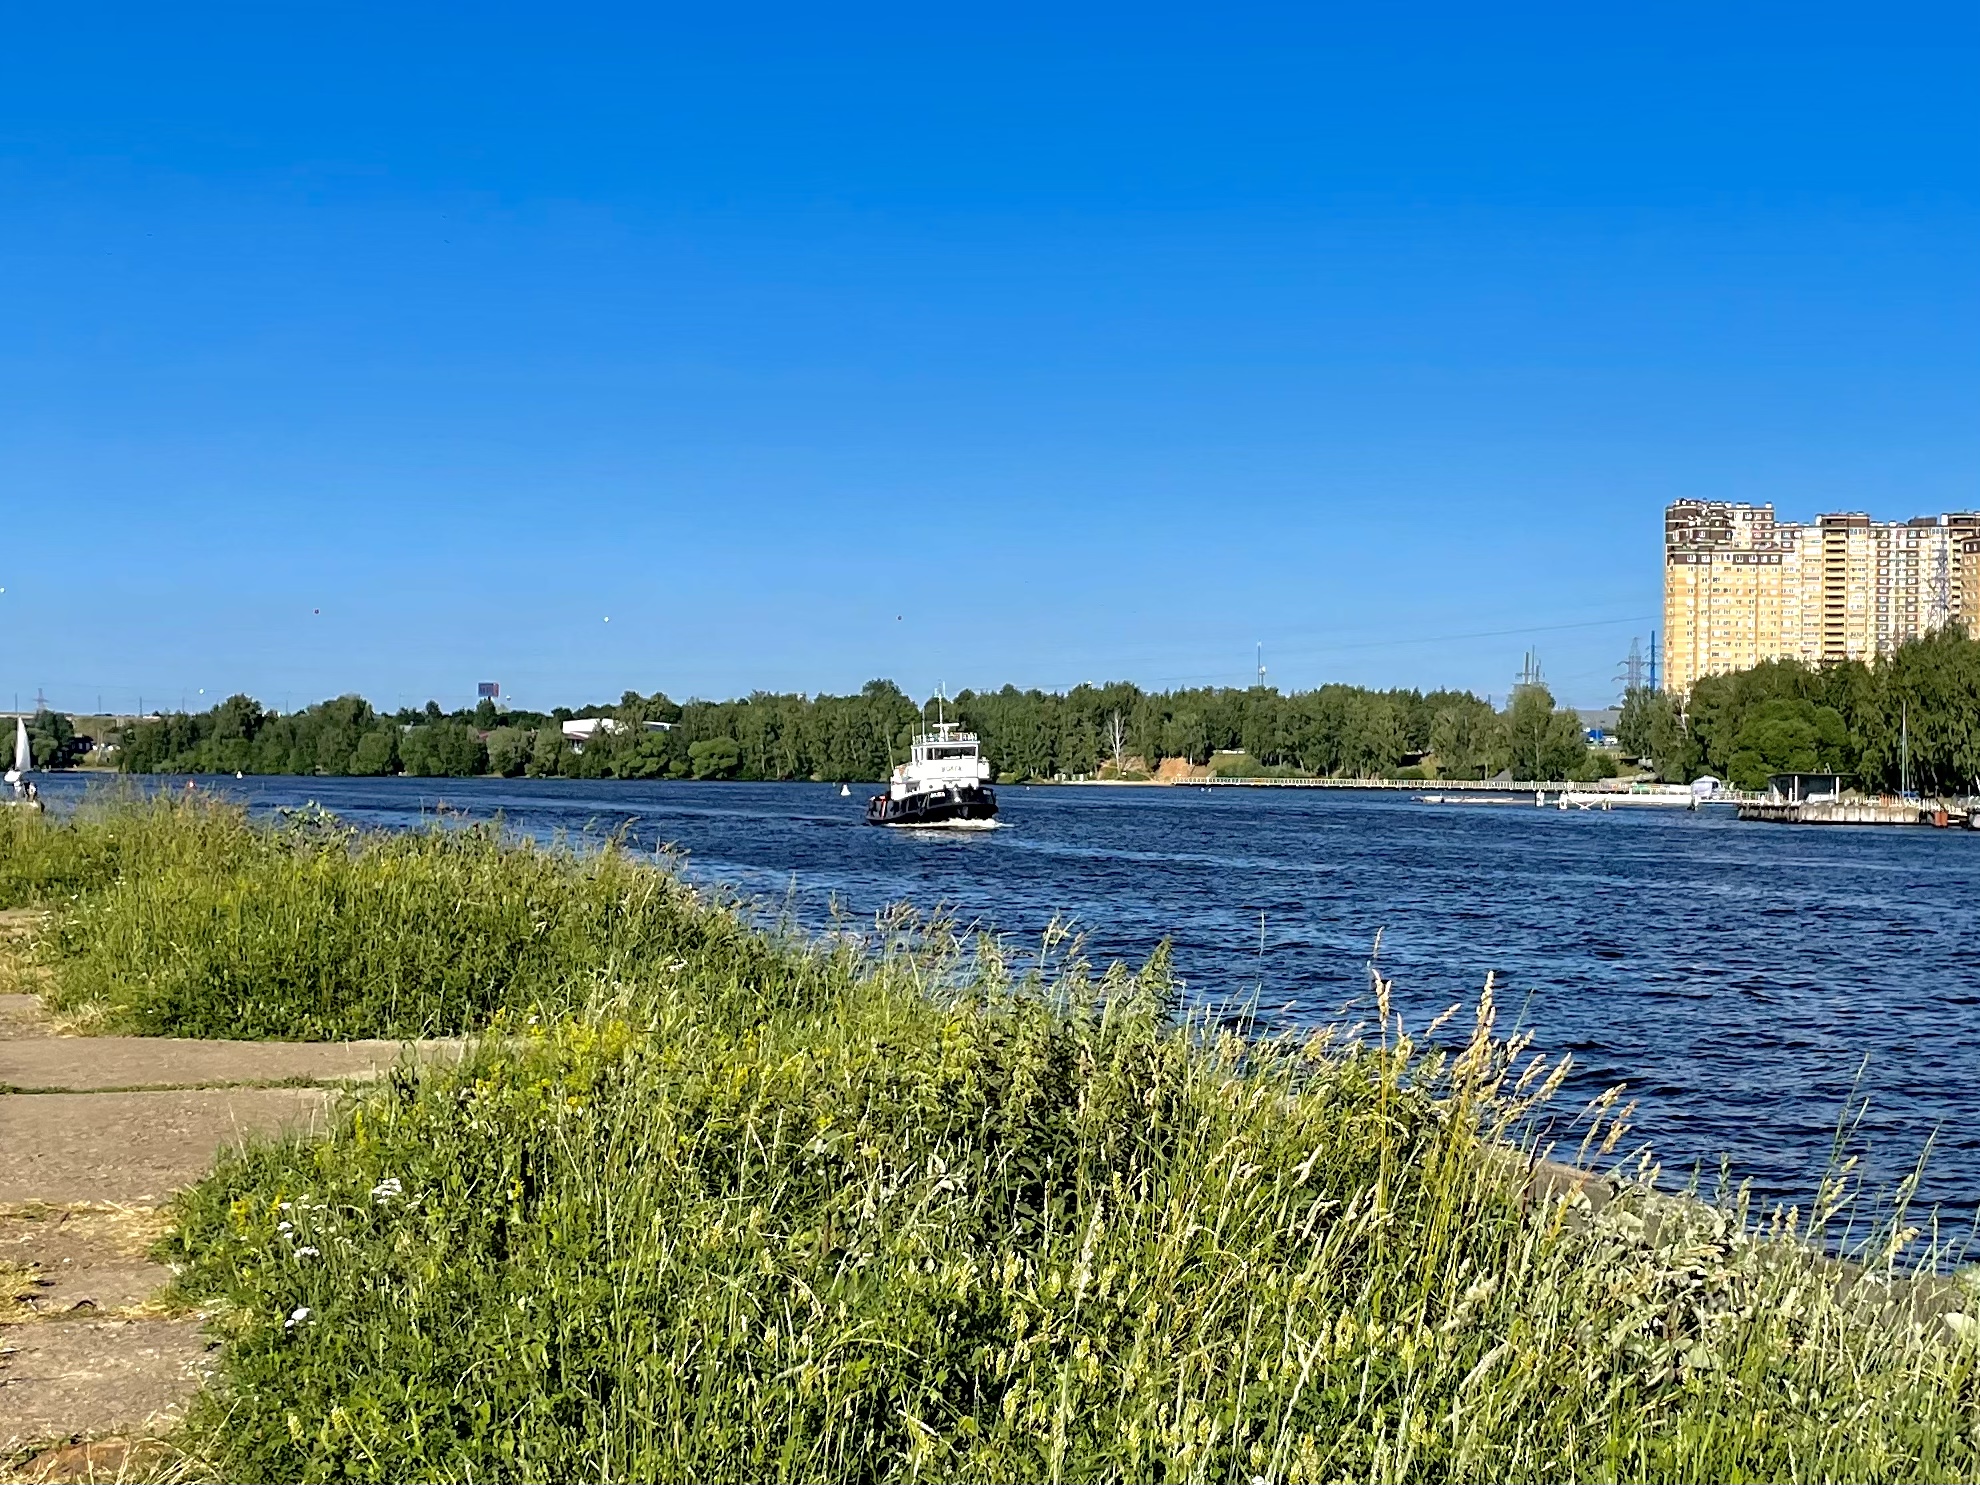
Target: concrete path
column 133, row 1148
column 31, row 1063
column 96, row 1133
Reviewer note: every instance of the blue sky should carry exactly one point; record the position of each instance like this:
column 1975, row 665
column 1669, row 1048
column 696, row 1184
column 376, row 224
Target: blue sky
column 348, row 349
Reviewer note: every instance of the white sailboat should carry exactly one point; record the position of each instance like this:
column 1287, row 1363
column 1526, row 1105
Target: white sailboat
column 17, row 776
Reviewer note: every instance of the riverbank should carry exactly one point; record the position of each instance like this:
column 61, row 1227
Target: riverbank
column 726, row 1204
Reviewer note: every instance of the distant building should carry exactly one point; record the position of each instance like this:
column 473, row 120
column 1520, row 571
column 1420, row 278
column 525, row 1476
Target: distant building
column 580, row 730
column 1741, row 587
column 1598, row 724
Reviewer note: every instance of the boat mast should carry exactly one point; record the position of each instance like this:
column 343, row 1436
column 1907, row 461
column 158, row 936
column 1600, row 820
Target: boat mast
column 1904, row 747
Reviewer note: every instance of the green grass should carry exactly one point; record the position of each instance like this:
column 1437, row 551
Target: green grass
column 42, row 862
column 736, row 1207
column 189, row 921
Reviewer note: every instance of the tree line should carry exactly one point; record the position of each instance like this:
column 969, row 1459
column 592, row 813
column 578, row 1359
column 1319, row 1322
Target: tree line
column 1910, row 718
column 1091, row 731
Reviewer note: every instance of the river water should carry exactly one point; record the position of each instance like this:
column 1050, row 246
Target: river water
column 1742, row 980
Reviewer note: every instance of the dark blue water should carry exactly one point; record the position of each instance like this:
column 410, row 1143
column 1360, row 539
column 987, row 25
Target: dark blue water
column 1741, row 979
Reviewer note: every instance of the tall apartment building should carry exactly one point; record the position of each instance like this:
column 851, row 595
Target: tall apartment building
column 1741, row 587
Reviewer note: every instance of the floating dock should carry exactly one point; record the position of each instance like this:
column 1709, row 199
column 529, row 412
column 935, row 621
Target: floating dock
column 1851, row 812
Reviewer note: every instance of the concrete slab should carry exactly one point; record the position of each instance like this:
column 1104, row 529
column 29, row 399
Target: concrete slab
column 134, row 1149
column 22, row 1015
column 81, row 1064
column 96, row 1376
column 61, row 1261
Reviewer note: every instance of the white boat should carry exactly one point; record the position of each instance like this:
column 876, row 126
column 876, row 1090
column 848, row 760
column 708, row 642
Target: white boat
column 1664, row 796
column 944, row 783
column 22, row 788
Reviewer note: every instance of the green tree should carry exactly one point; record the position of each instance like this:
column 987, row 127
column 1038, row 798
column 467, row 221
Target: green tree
column 548, row 753
column 1926, row 718
column 509, row 750
column 52, row 737
column 715, row 758
column 1786, row 736
column 1539, row 742
column 377, row 752
column 459, row 751
column 1652, row 730
column 418, row 755
column 1463, row 733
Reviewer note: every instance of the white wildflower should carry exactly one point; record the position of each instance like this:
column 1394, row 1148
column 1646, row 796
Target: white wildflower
column 296, row 1317
column 309, row 1251
column 386, row 1190
column 285, row 1227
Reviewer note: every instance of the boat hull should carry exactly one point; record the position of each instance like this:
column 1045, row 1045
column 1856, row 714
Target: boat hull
column 961, row 806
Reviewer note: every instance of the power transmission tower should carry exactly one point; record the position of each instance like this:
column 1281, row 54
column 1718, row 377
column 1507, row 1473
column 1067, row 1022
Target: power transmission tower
column 1630, row 676
column 1529, row 674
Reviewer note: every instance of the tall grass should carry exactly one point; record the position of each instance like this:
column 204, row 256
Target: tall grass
column 188, row 920
column 45, row 862
column 750, row 1208
column 883, row 1236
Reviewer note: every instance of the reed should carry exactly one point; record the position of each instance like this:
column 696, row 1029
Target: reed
column 715, row 1204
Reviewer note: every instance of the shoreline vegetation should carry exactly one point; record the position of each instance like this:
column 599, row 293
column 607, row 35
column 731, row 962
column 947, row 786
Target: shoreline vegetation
column 1115, row 731
column 1910, row 719
column 715, row 1201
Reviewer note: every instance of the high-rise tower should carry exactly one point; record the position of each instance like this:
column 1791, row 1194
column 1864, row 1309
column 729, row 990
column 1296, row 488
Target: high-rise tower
column 1741, row 587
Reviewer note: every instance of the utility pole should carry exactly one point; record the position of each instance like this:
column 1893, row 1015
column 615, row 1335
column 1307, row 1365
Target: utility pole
column 1653, row 659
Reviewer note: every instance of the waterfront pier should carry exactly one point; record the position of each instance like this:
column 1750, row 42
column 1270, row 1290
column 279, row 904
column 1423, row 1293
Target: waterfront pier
column 1852, row 812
